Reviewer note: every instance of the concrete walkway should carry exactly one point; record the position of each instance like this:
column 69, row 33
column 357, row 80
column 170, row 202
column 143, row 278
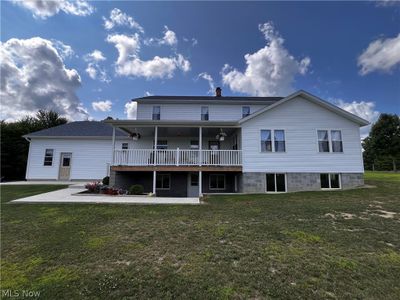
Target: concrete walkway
column 68, row 195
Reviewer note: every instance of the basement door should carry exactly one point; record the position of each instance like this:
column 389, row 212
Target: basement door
column 193, row 185
column 65, row 166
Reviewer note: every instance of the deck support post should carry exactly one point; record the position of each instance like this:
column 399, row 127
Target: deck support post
column 154, row 182
column 155, row 144
column 200, row 183
column 200, row 146
column 113, row 147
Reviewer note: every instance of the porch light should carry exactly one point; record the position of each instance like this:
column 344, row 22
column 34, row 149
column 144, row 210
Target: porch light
column 221, row 136
column 135, row 136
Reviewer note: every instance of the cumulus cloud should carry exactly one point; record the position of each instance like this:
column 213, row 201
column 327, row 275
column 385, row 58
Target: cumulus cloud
column 210, row 81
column 270, row 71
column 93, row 69
column 131, row 110
column 64, row 50
column 130, row 64
column 44, row 8
column 35, row 77
column 169, row 39
column 363, row 109
column 193, row 41
column 381, row 55
column 119, row 18
column 102, row 105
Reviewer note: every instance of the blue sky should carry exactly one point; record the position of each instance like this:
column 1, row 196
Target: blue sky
column 342, row 52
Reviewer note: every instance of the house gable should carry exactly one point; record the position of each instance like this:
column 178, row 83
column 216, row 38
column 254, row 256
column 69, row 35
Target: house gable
column 313, row 99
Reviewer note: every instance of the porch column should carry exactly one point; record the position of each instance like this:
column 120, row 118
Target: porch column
column 113, row 147
column 200, row 182
column 155, row 144
column 200, row 146
column 154, row 182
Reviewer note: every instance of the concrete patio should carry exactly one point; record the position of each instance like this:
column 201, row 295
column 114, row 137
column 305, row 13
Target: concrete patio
column 69, row 195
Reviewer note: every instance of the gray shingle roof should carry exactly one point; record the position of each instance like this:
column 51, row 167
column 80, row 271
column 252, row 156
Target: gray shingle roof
column 208, row 98
column 79, row 128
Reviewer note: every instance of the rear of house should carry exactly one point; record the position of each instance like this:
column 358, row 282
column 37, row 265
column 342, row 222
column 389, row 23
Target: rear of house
column 191, row 145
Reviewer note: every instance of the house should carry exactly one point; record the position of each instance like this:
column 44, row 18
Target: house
column 191, row 145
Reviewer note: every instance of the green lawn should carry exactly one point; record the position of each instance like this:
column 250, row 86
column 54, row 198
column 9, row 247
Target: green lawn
column 313, row 245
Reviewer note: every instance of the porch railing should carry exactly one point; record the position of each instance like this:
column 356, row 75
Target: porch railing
column 177, row 157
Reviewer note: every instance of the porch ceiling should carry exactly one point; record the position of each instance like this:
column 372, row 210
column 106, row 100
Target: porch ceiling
column 176, row 131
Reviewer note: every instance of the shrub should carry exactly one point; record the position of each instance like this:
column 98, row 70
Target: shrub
column 106, row 180
column 136, row 189
column 93, row 187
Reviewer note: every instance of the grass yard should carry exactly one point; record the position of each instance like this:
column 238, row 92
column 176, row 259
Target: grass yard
column 313, row 245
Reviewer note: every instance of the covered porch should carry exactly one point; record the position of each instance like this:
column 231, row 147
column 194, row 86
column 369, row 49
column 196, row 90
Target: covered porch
column 166, row 143
column 177, row 158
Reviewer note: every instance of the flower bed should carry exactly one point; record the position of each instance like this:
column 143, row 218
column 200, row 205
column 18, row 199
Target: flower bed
column 99, row 188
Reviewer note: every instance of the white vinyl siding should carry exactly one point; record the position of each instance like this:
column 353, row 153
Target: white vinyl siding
column 90, row 158
column 301, row 119
column 216, row 112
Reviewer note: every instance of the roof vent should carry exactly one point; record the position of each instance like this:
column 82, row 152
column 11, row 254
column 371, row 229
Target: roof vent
column 218, row 92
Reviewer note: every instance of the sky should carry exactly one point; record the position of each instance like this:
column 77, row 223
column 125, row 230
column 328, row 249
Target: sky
column 87, row 60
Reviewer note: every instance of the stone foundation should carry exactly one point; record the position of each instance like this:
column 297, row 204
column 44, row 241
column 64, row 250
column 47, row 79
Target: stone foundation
column 298, row 182
column 254, row 182
column 352, row 180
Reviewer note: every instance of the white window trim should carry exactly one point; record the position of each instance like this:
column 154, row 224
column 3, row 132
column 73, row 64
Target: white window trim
column 122, row 146
column 152, row 112
column 329, row 140
column 216, row 189
column 52, row 157
column 164, row 189
column 329, row 180
column 275, row 192
column 272, row 141
column 249, row 110
column 201, row 113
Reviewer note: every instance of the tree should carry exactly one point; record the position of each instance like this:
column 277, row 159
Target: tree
column 383, row 140
column 48, row 119
column 14, row 148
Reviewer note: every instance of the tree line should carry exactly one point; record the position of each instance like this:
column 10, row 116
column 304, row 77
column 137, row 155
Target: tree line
column 382, row 146
column 14, row 148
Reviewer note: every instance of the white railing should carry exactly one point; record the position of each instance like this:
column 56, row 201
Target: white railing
column 177, row 157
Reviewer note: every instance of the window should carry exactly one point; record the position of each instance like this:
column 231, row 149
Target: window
column 279, row 137
column 336, row 137
column 332, row 136
column 275, row 145
column 162, row 144
column 125, row 146
column 194, row 144
column 48, row 157
column 217, row 182
column 163, row 181
column 66, row 162
column 330, row 181
column 266, row 142
column 323, row 141
column 245, row 111
column 275, row 183
column 156, row 112
column 204, row 113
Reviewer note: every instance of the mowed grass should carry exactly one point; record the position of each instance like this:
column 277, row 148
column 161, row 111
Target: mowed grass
column 313, row 245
